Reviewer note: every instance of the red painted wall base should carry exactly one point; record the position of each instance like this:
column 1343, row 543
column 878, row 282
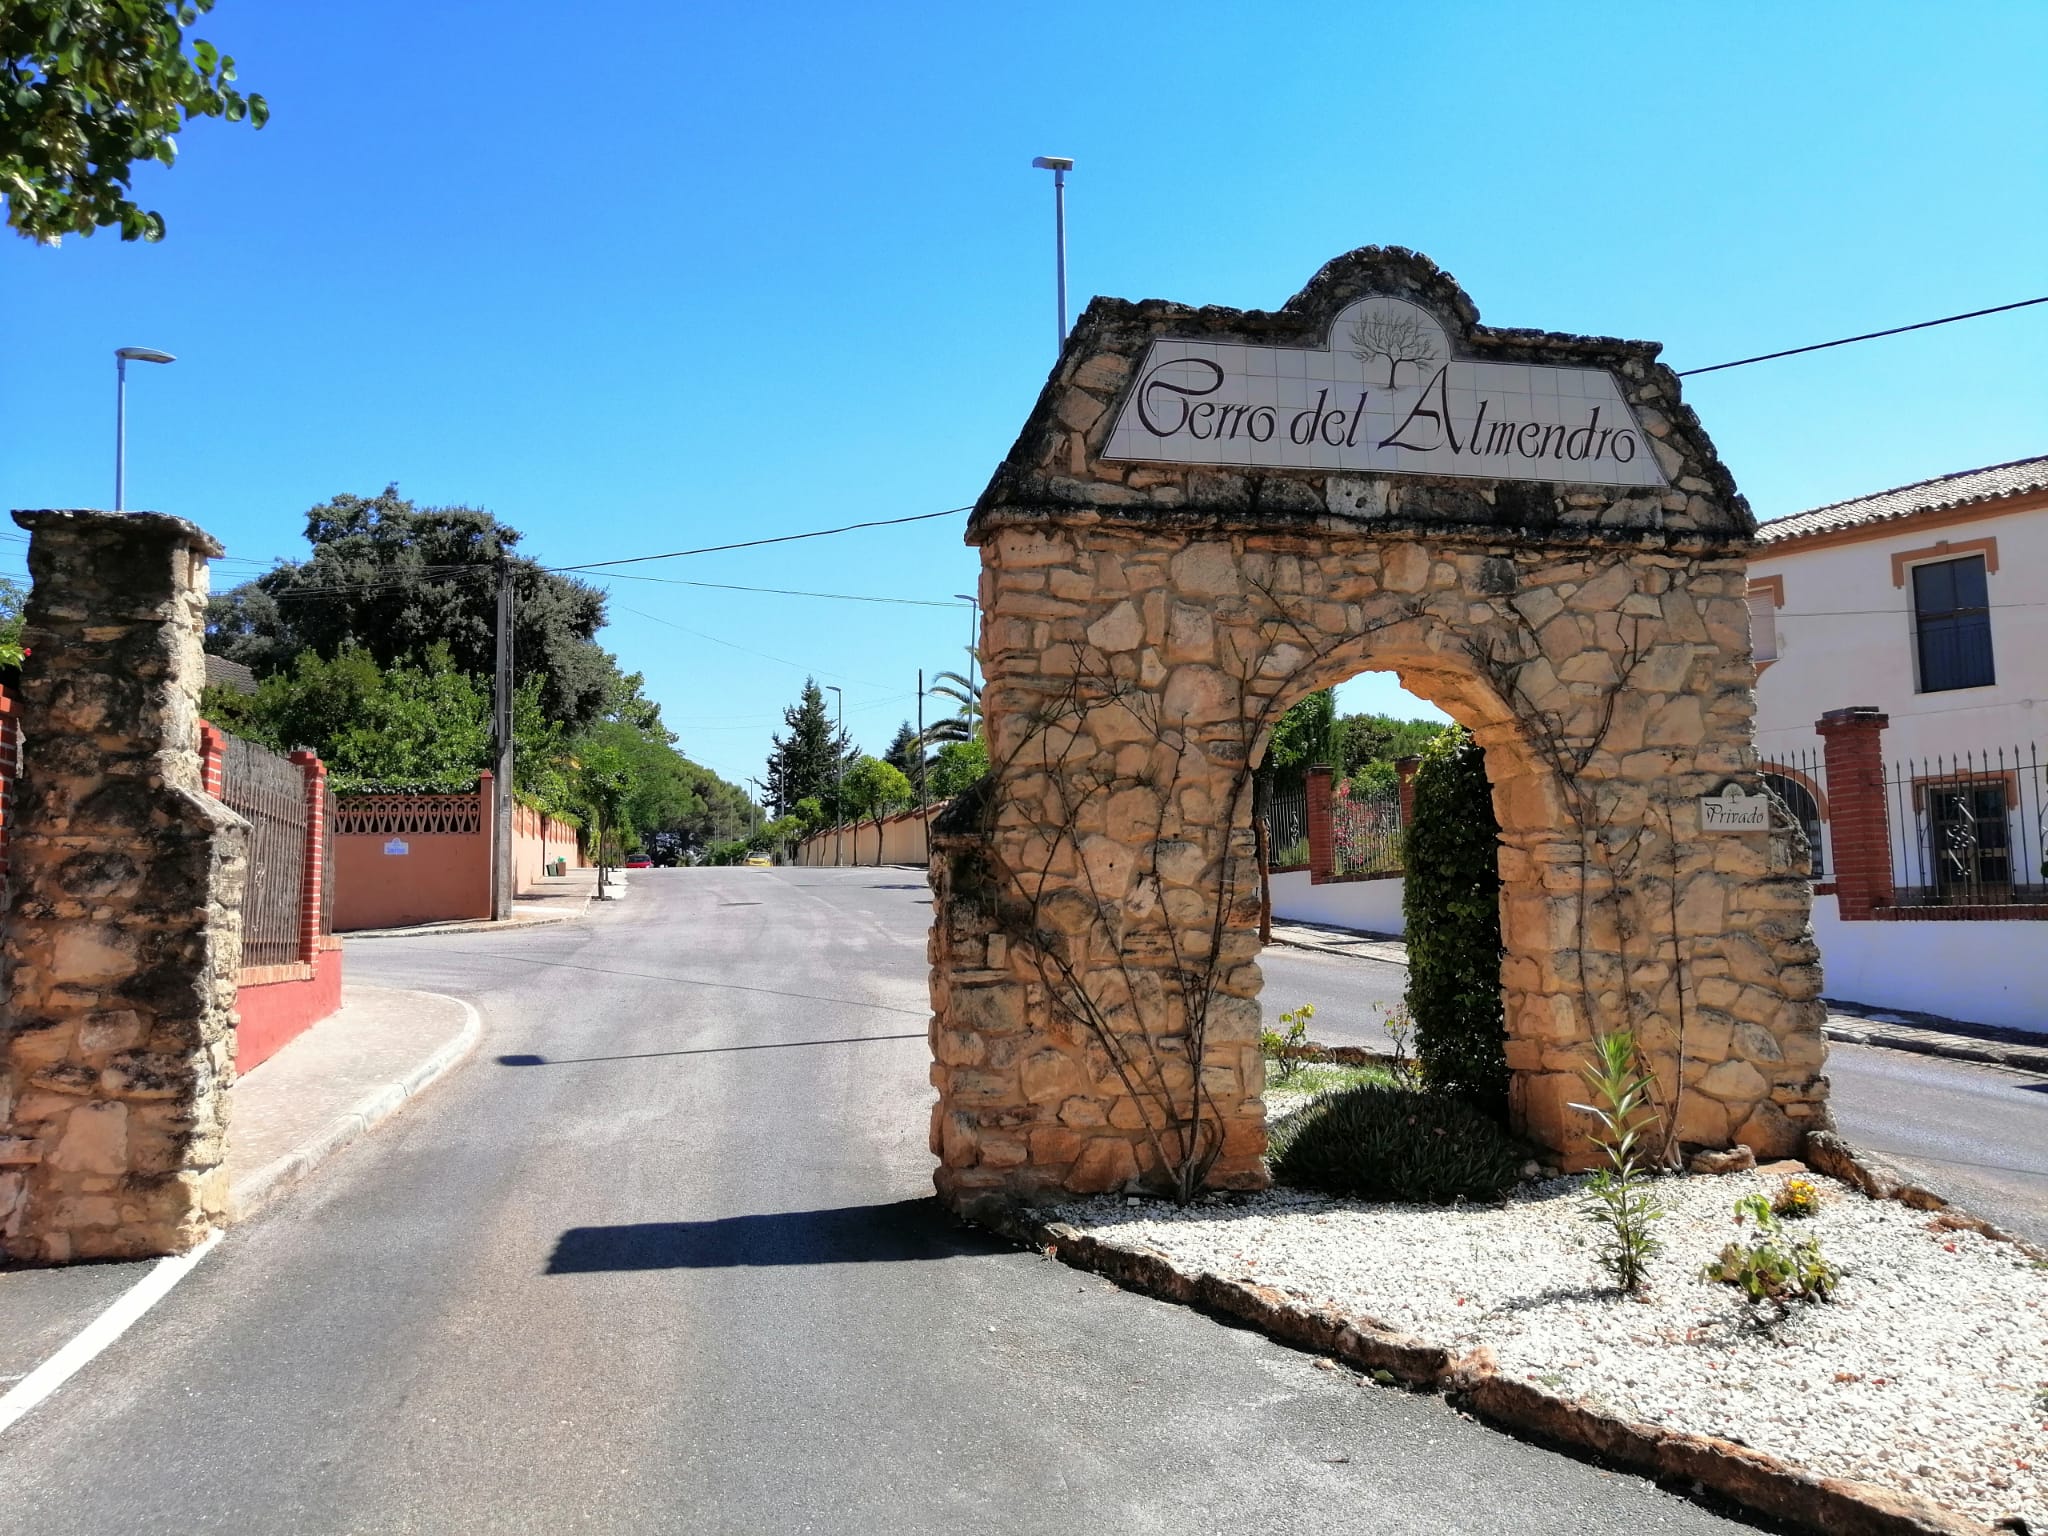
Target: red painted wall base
column 274, row 1013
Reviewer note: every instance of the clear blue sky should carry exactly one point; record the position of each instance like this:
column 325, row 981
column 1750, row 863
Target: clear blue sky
column 640, row 276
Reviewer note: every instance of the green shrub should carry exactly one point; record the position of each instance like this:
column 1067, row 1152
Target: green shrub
column 1285, row 1045
column 1392, row 1143
column 1451, row 901
column 1773, row 1268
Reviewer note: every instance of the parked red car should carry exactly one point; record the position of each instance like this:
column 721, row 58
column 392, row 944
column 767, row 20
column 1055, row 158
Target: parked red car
column 638, row 861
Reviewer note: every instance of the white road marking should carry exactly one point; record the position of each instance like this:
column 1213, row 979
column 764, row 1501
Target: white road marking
column 128, row 1309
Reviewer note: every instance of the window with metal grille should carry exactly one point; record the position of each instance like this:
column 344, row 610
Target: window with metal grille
column 1952, row 625
column 1805, row 810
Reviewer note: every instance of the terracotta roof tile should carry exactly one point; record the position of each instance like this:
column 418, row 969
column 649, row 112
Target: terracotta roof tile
column 1958, row 490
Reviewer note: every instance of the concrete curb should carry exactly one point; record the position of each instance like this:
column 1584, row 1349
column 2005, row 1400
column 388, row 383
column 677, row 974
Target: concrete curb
column 259, row 1186
column 1757, row 1482
column 481, row 925
column 1920, row 1042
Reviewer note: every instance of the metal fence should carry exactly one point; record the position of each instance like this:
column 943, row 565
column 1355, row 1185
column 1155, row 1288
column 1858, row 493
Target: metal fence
column 1799, row 780
column 1967, row 830
column 1285, row 810
column 269, row 792
column 1365, row 830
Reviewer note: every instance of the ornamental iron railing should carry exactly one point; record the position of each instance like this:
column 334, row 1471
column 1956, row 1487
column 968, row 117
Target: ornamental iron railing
column 268, row 791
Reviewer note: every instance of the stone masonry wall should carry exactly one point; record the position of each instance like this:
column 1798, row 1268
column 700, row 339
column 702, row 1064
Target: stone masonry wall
column 1094, row 984
column 123, row 940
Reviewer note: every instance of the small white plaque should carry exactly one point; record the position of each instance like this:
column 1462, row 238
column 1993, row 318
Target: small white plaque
column 1733, row 811
column 397, row 845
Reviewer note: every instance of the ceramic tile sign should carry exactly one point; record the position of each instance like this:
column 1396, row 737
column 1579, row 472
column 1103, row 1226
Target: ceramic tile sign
column 1385, row 396
column 397, row 847
column 1730, row 810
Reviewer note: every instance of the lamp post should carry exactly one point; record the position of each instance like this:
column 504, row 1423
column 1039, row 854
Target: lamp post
column 1059, row 165
column 122, row 357
column 838, row 770
column 973, row 635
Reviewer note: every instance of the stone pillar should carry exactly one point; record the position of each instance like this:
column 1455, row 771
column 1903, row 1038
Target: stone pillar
column 1853, row 743
column 1322, row 840
column 315, row 870
column 124, row 938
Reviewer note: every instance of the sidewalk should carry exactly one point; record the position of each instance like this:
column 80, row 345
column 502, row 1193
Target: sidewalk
column 1851, row 1023
column 330, row 1087
column 557, row 899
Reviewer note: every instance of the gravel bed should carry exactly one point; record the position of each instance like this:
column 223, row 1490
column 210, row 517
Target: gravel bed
column 1924, row 1373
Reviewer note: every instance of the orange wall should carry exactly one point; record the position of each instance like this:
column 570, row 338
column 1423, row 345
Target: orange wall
column 443, row 876
column 269, row 1013
column 538, row 840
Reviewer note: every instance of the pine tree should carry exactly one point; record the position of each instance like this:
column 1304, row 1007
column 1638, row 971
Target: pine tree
column 807, row 761
column 906, row 756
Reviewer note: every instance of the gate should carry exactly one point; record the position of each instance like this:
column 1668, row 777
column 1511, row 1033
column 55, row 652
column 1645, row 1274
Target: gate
column 269, row 792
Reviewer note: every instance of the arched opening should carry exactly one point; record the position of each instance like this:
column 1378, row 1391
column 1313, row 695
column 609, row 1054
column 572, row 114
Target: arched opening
column 1343, row 917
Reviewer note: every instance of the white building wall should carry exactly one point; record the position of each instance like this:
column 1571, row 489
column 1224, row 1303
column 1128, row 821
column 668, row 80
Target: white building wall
column 1845, row 637
column 1984, row 973
column 1373, row 906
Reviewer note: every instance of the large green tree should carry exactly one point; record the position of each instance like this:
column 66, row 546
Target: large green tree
column 809, row 760
column 89, row 87
column 874, row 789
column 394, row 579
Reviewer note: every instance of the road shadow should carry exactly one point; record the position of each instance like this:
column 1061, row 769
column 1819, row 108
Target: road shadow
column 528, row 1059
column 904, row 1231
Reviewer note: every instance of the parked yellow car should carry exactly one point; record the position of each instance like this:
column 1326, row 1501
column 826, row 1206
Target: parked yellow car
column 759, row 861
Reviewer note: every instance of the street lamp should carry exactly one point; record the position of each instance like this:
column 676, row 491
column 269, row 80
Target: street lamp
column 122, row 357
column 1059, row 165
column 838, row 769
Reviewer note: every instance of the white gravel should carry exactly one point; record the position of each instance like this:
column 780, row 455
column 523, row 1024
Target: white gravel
column 1924, row 1373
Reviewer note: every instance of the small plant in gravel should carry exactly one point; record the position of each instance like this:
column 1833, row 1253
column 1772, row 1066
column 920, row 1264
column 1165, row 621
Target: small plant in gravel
column 1387, row 1142
column 1796, row 1199
column 1400, row 1028
column 1286, row 1044
column 1773, row 1268
column 1619, row 1198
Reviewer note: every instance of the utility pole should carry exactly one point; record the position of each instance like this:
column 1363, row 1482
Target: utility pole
column 501, row 702
column 838, row 771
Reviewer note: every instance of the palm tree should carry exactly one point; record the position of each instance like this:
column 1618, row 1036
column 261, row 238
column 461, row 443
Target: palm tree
column 965, row 723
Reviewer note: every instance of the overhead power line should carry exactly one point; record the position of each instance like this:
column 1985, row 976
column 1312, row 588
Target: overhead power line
column 1897, row 330
column 784, row 538
column 840, row 597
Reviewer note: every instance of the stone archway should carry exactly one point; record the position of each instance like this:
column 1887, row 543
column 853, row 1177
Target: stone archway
column 1190, row 534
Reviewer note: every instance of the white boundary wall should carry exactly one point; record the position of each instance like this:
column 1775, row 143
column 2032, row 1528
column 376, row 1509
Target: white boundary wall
column 1983, row 973
column 1371, row 905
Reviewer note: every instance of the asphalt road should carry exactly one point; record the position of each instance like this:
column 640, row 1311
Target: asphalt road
column 1977, row 1134
column 663, row 1257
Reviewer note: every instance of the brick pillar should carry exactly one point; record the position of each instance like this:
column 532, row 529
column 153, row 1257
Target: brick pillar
column 1405, row 767
column 125, row 934
column 10, row 759
column 315, row 870
column 487, row 807
column 1322, row 842
column 1853, row 743
column 213, row 759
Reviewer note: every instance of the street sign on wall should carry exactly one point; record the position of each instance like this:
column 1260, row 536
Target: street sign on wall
column 1732, row 811
column 1386, row 395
